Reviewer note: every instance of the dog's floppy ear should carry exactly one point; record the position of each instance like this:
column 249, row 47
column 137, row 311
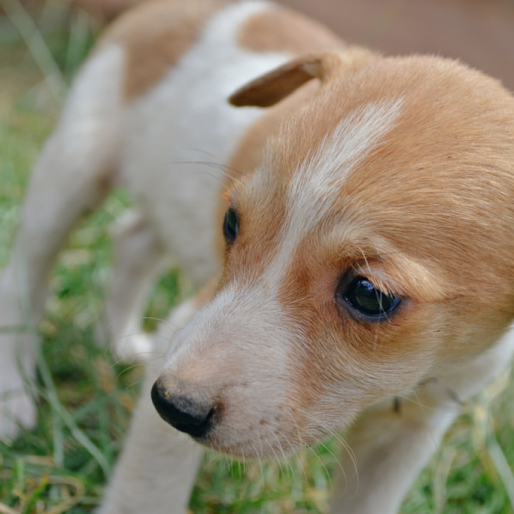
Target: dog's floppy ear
column 274, row 86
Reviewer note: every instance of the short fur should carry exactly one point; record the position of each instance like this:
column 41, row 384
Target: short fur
column 397, row 169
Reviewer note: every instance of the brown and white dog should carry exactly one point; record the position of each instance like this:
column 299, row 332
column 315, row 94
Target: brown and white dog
column 366, row 251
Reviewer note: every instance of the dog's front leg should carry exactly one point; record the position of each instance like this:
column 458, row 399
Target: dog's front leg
column 387, row 447
column 137, row 258
column 158, row 466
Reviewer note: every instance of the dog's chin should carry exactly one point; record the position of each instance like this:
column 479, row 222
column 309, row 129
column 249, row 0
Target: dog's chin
column 245, row 450
column 259, row 444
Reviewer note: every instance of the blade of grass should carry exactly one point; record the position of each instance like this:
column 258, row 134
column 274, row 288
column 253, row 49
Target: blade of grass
column 78, row 40
column 4, row 509
column 35, row 495
column 73, row 500
column 37, row 46
column 79, row 435
column 59, row 413
column 501, row 465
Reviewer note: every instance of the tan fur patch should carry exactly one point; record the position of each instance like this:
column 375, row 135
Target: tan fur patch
column 282, row 30
column 155, row 36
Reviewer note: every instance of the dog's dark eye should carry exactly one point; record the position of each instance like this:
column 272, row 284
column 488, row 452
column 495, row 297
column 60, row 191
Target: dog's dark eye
column 366, row 299
column 230, row 226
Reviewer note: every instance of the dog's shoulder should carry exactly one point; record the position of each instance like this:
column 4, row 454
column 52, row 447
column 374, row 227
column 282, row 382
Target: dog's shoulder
column 156, row 35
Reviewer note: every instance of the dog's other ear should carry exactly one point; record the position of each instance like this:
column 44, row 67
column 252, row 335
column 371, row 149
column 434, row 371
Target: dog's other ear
column 274, row 86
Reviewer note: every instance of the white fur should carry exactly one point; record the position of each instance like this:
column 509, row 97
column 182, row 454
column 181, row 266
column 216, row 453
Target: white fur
column 242, row 320
column 157, row 474
column 310, row 194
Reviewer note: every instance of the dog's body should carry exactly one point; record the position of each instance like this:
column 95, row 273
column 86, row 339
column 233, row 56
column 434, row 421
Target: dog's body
column 368, row 253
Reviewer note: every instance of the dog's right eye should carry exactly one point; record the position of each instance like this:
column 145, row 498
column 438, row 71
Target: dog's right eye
column 230, row 226
column 363, row 297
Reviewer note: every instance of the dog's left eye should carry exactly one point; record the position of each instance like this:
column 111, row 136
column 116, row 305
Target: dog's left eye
column 230, row 225
column 369, row 302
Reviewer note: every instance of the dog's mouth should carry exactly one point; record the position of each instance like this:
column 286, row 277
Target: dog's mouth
column 244, row 432
column 207, row 423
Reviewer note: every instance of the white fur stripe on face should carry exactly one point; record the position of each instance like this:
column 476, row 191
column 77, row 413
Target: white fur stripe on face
column 317, row 182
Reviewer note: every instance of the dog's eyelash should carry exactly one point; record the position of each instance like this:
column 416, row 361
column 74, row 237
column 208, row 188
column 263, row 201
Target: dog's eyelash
column 367, row 272
column 380, row 285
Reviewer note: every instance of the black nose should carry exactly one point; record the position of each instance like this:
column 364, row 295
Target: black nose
column 182, row 412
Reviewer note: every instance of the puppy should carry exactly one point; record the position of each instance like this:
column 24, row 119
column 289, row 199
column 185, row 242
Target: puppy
column 360, row 228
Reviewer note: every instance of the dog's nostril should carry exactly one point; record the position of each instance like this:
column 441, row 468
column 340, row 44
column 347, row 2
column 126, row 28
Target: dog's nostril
column 182, row 412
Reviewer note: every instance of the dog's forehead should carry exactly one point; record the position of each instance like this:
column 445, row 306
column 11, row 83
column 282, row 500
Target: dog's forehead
column 415, row 157
column 423, row 109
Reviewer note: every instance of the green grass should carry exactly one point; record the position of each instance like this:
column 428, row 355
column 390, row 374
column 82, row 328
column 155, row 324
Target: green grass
column 86, row 398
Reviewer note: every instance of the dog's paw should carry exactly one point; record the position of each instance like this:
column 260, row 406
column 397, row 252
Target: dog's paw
column 16, row 402
column 17, row 410
column 134, row 348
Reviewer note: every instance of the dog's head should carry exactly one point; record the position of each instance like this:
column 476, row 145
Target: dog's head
column 370, row 250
